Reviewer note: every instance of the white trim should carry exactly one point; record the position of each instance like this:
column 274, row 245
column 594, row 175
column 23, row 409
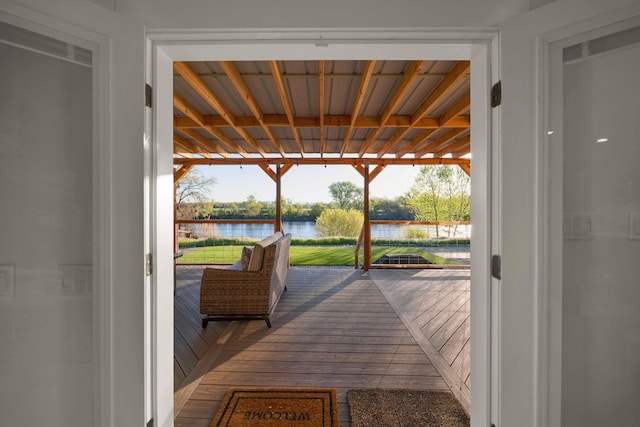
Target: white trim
column 481, row 152
column 496, row 239
column 202, row 45
column 102, row 246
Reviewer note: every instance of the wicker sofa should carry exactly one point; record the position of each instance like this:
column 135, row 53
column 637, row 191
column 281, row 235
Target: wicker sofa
column 250, row 288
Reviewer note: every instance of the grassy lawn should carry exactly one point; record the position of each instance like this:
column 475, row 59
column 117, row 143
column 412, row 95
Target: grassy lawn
column 304, row 255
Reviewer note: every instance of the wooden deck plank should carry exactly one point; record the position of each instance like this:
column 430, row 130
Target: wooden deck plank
column 332, row 328
column 454, row 303
column 457, row 341
column 439, row 309
column 183, row 354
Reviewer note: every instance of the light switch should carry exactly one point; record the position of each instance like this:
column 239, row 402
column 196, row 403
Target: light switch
column 577, row 227
column 76, row 279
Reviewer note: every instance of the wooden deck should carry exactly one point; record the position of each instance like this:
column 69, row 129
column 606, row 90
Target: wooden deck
column 334, row 327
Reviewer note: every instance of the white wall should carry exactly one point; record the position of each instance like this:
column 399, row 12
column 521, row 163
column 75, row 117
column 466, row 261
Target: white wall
column 302, row 14
column 601, row 291
column 46, row 331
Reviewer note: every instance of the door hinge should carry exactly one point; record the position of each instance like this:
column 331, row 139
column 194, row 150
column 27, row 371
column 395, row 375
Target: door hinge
column 496, row 94
column 150, row 423
column 148, row 95
column 148, row 264
column 496, row 266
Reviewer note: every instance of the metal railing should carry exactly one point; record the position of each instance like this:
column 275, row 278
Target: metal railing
column 218, row 241
column 451, row 248
column 394, row 244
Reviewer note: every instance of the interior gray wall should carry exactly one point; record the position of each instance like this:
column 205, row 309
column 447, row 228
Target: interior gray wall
column 46, row 331
column 601, row 266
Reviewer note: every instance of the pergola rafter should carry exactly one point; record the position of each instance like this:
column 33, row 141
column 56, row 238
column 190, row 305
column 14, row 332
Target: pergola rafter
column 242, row 88
column 410, row 106
column 364, row 83
column 286, row 104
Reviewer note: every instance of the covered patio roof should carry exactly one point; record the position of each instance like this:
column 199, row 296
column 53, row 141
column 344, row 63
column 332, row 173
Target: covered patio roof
column 322, row 112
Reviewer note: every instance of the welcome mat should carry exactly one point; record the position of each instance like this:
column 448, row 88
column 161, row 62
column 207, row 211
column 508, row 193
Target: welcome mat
column 282, row 407
column 406, row 408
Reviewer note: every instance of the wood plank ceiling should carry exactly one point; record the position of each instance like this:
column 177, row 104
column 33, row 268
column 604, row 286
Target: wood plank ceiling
column 315, row 112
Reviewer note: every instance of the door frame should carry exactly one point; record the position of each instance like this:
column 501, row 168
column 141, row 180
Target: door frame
column 480, row 47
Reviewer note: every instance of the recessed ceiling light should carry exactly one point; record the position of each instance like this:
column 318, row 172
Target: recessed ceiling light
column 550, row 132
column 602, row 140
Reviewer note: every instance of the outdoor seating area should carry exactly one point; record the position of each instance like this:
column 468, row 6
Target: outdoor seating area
column 251, row 287
column 334, row 327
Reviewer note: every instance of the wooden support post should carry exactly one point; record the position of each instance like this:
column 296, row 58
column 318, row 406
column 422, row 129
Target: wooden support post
column 366, row 262
column 278, row 224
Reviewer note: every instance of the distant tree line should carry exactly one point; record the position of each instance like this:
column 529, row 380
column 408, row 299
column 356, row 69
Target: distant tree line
column 439, row 193
column 380, row 209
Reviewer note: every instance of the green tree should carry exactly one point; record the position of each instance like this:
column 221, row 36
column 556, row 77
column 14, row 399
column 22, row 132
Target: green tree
column 346, row 194
column 440, row 193
column 192, row 188
column 339, row 222
column 253, row 207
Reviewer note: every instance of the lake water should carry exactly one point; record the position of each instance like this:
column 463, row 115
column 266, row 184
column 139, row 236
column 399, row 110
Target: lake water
column 307, row 230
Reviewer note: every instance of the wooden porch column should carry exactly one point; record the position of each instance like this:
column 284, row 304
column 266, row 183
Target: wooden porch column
column 366, row 262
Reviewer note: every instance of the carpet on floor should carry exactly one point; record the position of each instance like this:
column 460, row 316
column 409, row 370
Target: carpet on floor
column 282, row 407
column 405, row 408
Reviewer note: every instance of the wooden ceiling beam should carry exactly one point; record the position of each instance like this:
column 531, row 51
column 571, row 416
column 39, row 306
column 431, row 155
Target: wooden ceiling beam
column 188, row 110
column 456, row 109
column 359, row 168
column 279, row 120
column 245, row 93
column 180, row 172
column 440, row 141
column 466, row 168
column 269, row 172
column 355, row 162
column 462, row 152
column 393, row 141
column 444, row 144
column 410, row 75
column 321, row 106
column 194, row 80
column 226, row 140
column 284, row 98
column 374, row 173
column 452, row 148
column 193, row 114
column 412, row 72
column 454, row 75
column 362, row 91
column 205, row 143
column 416, row 141
column 189, row 146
